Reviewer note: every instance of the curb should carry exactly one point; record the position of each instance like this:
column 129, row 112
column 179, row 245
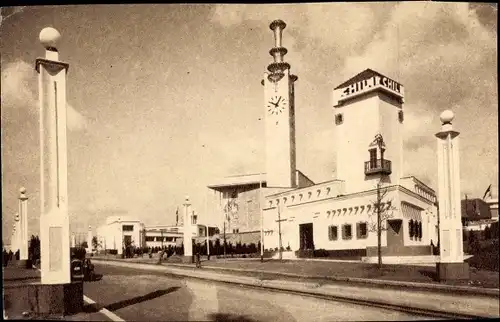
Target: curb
column 310, row 289
column 440, row 288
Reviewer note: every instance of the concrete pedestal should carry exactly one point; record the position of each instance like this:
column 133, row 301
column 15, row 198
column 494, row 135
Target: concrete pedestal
column 61, row 299
column 452, row 271
column 43, row 300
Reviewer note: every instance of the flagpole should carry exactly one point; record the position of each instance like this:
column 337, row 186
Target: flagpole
column 261, row 221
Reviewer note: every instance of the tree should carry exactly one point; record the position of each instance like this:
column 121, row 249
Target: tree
column 487, row 233
column 382, row 211
column 95, row 242
column 34, row 248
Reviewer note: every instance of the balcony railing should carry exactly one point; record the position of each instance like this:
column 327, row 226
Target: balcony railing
column 378, row 166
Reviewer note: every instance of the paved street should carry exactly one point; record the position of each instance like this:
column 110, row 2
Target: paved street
column 138, row 295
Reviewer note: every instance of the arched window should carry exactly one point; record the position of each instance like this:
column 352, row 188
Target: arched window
column 410, row 227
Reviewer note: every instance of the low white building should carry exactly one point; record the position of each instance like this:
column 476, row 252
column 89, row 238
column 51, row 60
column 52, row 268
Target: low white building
column 119, row 230
column 322, row 216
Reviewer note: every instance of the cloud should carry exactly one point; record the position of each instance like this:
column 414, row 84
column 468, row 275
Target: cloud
column 18, row 81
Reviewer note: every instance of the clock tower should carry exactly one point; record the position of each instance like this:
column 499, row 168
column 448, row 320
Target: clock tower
column 279, row 108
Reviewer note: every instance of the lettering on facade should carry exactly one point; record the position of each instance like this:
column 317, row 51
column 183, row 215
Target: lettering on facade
column 372, row 82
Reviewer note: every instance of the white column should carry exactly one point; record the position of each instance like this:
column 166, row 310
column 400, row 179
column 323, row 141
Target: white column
column 23, row 225
column 188, row 246
column 15, row 234
column 54, row 220
column 73, row 240
column 89, row 238
column 119, row 238
column 450, row 227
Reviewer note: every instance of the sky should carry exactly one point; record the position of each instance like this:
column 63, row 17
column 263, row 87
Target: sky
column 166, row 99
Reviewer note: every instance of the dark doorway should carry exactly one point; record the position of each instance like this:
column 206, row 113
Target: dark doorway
column 127, row 240
column 306, row 236
column 395, row 233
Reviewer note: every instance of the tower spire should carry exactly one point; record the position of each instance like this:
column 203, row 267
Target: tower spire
column 278, row 52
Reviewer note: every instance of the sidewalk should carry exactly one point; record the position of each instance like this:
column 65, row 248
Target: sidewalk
column 341, row 271
column 463, row 305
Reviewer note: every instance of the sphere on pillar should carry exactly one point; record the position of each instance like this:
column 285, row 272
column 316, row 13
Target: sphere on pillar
column 447, row 116
column 49, row 37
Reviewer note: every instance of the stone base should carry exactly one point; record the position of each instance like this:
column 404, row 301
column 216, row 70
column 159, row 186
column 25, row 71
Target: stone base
column 44, row 300
column 452, row 271
column 24, row 263
column 187, row 259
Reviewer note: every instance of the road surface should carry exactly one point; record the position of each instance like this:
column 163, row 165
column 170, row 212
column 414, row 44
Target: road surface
column 136, row 295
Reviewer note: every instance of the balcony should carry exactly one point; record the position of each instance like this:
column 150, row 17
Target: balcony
column 378, row 166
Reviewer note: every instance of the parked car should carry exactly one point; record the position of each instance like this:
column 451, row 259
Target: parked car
column 81, row 267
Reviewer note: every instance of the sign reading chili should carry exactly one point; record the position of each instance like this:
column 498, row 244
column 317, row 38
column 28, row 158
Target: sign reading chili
column 368, row 84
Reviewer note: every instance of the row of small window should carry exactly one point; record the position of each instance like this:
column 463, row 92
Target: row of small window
column 159, row 239
column 339, row 118
column 415, row 228
column 361, row 231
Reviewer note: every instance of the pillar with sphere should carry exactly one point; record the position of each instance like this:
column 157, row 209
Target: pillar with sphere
column 54, row 220
column 187, row 234
column 23, row 231
column 451, row 265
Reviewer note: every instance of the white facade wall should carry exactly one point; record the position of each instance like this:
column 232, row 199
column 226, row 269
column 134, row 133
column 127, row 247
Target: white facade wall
column 354, row 135
column 350, row 209
column 352, row 139
column 111, row 234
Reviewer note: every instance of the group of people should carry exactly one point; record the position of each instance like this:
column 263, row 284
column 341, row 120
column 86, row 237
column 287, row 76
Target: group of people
column 171, row 251
column 9, row 256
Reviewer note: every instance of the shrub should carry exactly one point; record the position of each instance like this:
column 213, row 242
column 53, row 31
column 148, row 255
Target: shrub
column 113, row 251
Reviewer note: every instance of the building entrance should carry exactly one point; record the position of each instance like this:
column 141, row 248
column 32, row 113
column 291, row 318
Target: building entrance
column 395, row 233
column 306, row 236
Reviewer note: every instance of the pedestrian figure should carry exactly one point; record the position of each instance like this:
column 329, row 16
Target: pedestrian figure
column 198, row 261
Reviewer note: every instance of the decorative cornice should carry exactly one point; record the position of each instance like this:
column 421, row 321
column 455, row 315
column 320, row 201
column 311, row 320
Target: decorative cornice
column 51, row 64
column 281, row 50
column 278, row 66
column 444, row 134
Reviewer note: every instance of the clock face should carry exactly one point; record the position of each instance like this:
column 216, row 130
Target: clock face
column 276, row 105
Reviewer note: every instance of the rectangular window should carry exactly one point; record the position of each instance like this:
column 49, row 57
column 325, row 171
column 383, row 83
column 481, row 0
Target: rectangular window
column 373, row 158
column 333, row 233
column 346, row 232
column 339, row 119
column 362, row 230
column 150, row 238
column 128, row 227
